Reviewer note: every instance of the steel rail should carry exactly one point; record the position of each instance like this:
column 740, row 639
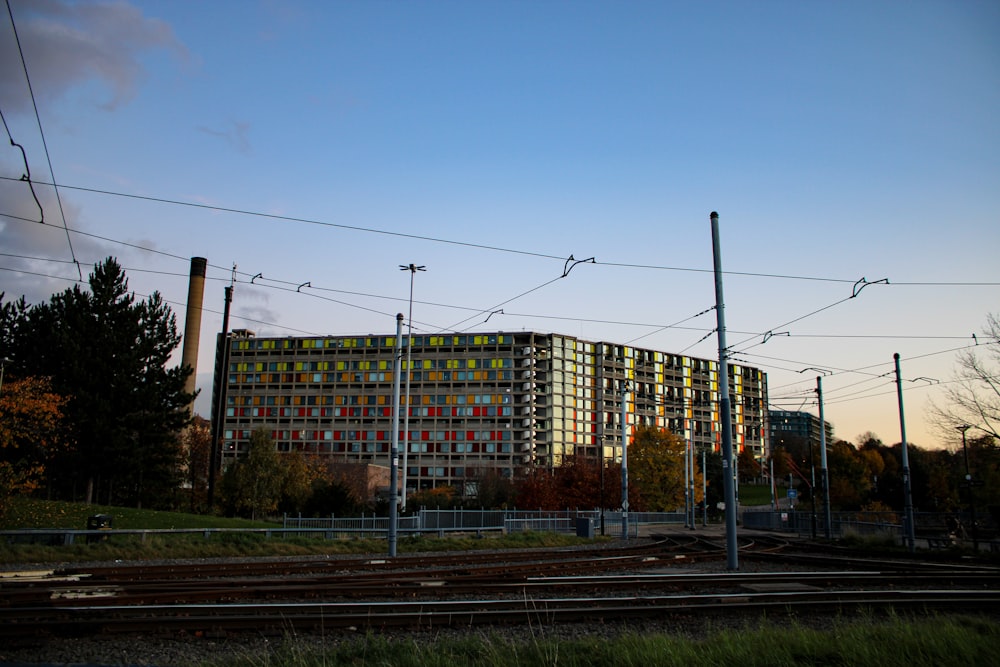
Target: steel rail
column 89, row 621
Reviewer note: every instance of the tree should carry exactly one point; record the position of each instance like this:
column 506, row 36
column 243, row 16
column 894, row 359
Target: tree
column 108, row 353
column 197, row 450
column 574, row 484
column 32, row 433
column 747, row 466
column 300, row 472
column 492, row 490
column 849, row 475
column 656, row 470
column 438, row 498
column 252, row 485
column 333, row 497
column 973, row 397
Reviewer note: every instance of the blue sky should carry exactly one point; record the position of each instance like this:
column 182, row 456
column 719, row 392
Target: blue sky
column 489, row 141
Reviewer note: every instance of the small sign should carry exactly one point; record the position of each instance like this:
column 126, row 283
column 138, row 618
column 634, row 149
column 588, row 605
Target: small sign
column 793, row 494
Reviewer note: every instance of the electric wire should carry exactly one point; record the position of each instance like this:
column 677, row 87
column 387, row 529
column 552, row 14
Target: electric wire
column 170, row 301
column 26, row 176
column 732, row 348
column 371, row 230
column 321, row 223
column 41, row 133
column 676, row 325
column 671, row 326
column 454, row 327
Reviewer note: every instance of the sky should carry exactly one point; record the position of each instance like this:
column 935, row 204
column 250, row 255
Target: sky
column 851, row 149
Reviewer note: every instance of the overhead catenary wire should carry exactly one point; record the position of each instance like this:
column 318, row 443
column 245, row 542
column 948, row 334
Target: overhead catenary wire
column 41, row 134
column 529, row 253
column 26, row 177
column 479, row 311
column 671, row 326
column 170, row 301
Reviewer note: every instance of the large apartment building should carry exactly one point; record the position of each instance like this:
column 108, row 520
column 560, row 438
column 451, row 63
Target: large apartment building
column 507, row 402
column 797, row 424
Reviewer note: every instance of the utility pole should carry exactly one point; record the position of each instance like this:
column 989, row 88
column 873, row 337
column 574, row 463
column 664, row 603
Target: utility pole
column 704, row 492
column 910, row 528
column 412, row 268
column 624, row 459
column 969, row 485
column 824, row 472
column 221, row 374
column 394, row 454
column 732, row 556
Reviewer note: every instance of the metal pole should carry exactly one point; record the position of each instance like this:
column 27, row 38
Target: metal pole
column 221, row 383
column 624, row 459
column 910, row 528
column 602, row 484
column 812, row 486
column 774, row 500
column 968, row 485
column 704, row 491
column 765, row 431
column 824, row 471
column 694, row 510
column 687, row 484
column 732, row 556
column 412, row 268
column 394, row 454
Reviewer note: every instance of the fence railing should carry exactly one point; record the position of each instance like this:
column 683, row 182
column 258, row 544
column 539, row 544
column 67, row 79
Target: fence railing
column 479, row 521
column 425, row 521
column 927, row 525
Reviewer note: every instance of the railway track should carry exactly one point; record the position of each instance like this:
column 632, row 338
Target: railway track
column 450, row 590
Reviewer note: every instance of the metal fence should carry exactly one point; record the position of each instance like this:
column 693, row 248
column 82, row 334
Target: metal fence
column 440, row 522
column 480, row 521
column 927, row 525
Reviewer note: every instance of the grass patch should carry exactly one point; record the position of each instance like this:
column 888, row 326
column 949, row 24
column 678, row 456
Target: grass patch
column 879, row 541
column 755, row 494
column 41, row 514
column 27, row 512
column 894, row 642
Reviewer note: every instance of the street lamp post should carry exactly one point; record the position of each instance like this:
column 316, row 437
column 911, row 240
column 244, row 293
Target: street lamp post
column 968, row 485
column 412, row 268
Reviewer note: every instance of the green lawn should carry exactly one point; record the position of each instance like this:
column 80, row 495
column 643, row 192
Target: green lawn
column 31, row 513
column 857, row 641
column 755, row 494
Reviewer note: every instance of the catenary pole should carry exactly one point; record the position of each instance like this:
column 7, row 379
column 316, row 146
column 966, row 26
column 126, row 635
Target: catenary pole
column 824, row 471
column 729, row 486
column 687, row 484
column 969, row 487
column 221, row 373
column 624, row 459
column 694, row 509
column 394, row 453
column 911, row 537
column 412, row 268
column 704, row 491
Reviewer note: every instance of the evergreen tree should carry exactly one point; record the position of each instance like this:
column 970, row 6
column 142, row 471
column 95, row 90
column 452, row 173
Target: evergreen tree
column 107, row 352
